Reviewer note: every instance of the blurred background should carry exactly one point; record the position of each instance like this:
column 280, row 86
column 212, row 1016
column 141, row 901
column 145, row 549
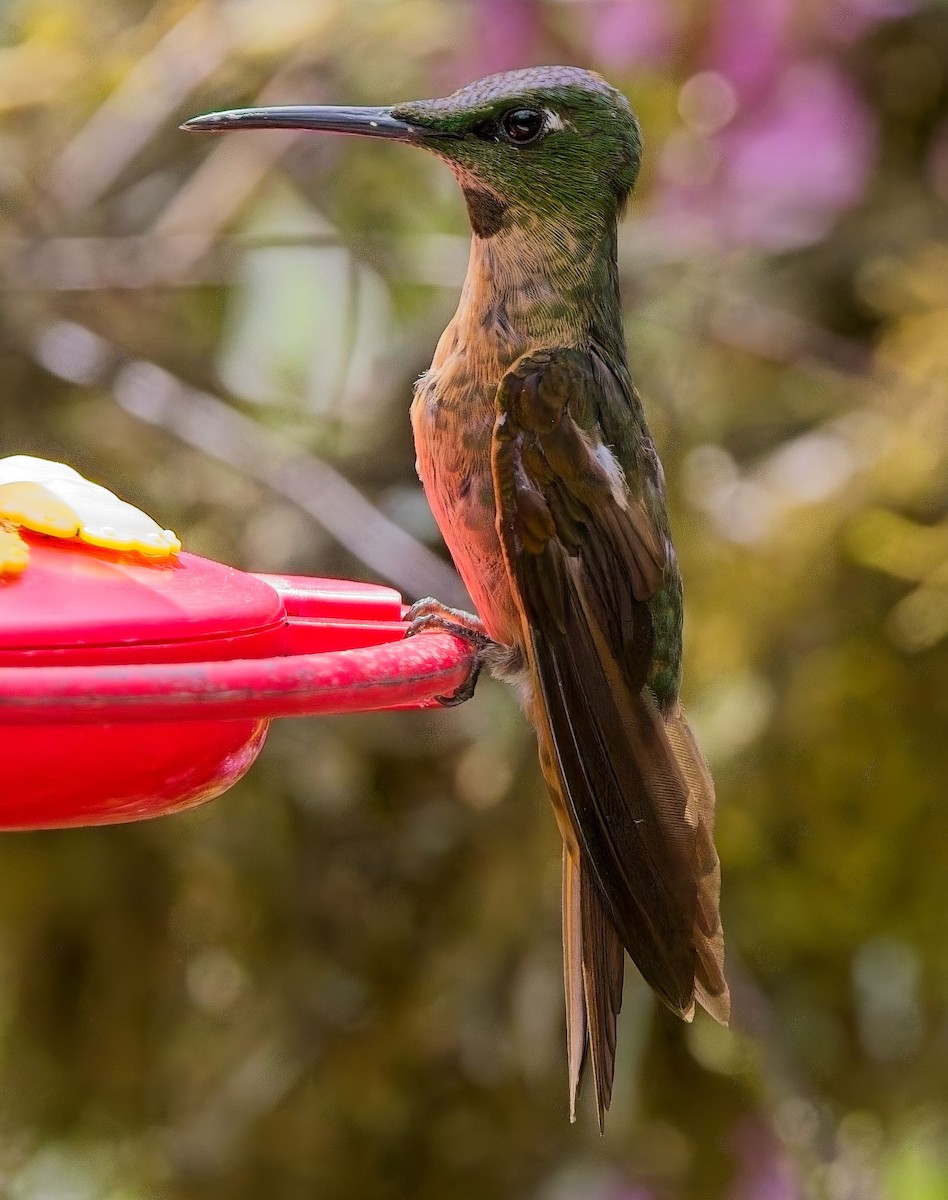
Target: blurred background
column 343, row 978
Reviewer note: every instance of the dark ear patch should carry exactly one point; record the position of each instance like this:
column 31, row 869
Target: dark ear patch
column 485, row 211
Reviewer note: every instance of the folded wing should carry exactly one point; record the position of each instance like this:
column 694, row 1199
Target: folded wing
column 590, row 566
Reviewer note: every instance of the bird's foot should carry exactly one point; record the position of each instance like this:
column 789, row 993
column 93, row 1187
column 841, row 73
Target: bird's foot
column 430, row 614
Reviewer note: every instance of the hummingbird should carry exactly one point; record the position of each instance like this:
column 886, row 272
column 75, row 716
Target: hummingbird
column 534, row 453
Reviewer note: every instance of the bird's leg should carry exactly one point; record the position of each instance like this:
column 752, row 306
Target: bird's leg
column 431, row 614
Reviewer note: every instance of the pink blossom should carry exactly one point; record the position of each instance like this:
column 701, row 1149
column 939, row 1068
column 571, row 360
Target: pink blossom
column 505, row 35
column 626, row 32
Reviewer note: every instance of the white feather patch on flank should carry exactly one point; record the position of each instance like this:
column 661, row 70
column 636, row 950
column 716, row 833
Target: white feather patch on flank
column 610, row 465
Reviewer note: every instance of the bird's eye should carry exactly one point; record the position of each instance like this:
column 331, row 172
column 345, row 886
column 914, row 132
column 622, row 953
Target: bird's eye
column 522, row 125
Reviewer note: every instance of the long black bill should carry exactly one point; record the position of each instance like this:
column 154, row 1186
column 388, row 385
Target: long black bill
column 372, row 122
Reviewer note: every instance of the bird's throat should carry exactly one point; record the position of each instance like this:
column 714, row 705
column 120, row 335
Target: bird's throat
column 535, row 284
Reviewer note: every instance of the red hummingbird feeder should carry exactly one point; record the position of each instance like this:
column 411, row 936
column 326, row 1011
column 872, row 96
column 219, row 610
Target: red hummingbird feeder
column 131, row 688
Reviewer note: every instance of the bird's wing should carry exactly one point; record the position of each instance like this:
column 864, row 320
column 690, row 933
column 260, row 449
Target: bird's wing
column 585, row 558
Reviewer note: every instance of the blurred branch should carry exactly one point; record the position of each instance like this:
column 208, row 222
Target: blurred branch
column 213, row 195
column 166, row 259
column 188, row 53
column 170, row 257
column 746, row 323
column 65, row 264
column 212, row 426
column 203, row 1142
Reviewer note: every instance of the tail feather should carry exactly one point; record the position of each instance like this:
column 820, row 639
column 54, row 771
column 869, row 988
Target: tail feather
column 593, row 967
column 573, row 977
column 603, row 970
column 711, row 987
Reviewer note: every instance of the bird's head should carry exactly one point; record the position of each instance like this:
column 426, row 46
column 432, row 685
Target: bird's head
column 554, row 143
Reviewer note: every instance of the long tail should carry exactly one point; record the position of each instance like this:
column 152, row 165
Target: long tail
column 573, row 976
column 593, row 954
column 629, row 785
column 711, row 990
column 593, row 967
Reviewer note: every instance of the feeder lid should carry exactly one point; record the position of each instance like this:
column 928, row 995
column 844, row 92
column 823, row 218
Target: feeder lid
column 91, row 587
column 73, row 595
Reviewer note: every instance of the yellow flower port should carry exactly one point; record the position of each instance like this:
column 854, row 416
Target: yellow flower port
column 54, row 499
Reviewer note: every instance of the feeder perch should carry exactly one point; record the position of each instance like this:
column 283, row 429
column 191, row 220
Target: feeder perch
column 133, row 686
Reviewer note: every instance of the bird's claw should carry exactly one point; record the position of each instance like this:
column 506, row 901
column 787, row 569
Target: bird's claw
column 431, row 615
column 465, row 691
